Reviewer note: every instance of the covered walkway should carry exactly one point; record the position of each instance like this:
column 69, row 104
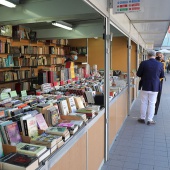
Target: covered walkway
column 143, row 147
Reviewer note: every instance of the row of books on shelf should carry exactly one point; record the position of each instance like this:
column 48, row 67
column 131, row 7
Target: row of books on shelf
column 35, row 127
column 26, row 49
column 17, row 60
column 6, row 76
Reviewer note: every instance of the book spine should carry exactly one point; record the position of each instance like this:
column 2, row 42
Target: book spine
column 25, row 127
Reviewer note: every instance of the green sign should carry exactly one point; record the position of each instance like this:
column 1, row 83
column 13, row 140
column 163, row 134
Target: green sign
column 4, row 96
column 13, row 94
column 24, row 93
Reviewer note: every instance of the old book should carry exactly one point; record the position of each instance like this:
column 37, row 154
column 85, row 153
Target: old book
column 41, row 121
column 61, row 143
column 30, row 149
column 57, row 131
column 19, row 161
column 30, row 127
column 12, row 133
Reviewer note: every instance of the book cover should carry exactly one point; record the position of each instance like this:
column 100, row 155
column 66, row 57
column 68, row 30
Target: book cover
column 30, row 149
column 17, row 160
column 52, row 116
column 71, row 104
column 79, row 102
column 13, row 134
column 30, row 127
column 22, row 124
column 57, row 130
column 41, row 121
column 2, row 125
column 66, row 124
column 63, row 107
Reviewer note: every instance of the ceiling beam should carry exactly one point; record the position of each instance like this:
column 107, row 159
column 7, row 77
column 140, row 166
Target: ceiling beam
column 147, row 21
column 152, row 33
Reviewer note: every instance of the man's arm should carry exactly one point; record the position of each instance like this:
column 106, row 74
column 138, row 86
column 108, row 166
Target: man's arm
column 140, row 70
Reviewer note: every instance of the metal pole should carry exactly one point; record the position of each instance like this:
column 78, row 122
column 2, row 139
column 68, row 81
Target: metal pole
column 107, row 84
column 128, row 75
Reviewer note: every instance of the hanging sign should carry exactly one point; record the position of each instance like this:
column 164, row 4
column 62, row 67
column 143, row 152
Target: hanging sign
column 125, row 6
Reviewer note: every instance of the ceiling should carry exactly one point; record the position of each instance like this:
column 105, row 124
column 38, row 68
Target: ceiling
column 152, row 21
column 38, row 15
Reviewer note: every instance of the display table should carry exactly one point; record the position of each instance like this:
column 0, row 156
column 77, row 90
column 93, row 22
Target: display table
column 85, row 150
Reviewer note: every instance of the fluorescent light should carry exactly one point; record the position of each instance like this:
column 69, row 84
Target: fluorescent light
column 7, row 3
column 62, row 24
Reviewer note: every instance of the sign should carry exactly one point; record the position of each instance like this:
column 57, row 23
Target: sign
column 4, row 96
column 125, row 6
column 24, row 93
column 13, row 94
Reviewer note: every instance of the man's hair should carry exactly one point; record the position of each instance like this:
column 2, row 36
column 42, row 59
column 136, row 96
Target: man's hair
column 157, row 53
column 151, row 53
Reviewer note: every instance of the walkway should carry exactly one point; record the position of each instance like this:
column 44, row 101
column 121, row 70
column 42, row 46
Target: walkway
column 143, row 147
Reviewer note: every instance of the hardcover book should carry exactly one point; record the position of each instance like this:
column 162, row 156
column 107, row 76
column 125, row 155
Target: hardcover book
column 41, row 121
column 19, row 161
column 13, row 135
column 30, row 149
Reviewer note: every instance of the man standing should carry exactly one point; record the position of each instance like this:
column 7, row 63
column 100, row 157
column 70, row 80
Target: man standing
column 150, row 72
column 72, row 57
column 159, row 57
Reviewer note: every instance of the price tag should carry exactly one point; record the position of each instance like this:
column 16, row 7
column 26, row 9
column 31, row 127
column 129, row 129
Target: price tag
column 4, row 96
column 13, row 94
column 24, row 93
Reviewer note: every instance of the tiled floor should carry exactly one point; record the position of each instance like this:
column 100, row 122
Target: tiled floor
column 142, row 147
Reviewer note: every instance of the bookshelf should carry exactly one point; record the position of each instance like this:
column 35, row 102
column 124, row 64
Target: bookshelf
column 21, row 58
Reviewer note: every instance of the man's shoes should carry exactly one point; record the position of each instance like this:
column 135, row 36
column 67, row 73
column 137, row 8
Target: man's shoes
column 151, row 122
column 141, row 120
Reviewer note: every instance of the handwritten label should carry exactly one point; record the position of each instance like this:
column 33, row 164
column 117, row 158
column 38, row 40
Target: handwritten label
column 13, row 94
column 23, row 93
column 4, row 96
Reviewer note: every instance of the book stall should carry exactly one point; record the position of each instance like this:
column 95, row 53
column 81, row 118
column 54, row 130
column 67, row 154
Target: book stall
column 35, row 129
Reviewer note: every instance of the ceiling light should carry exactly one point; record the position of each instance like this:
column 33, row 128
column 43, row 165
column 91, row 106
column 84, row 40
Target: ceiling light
column 7, row 4
column 62, row 24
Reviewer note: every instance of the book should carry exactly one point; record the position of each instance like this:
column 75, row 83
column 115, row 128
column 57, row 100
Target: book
column 71, row 104
column 89, row 113
column 2, row 125
column 57, row 131
column 1, row 148
column 52, row 116
column 79, row 102
column 22, row 124
column 30, row 127
column 63, row 107
column 12, row 133
column 19, row 161
column 46, row 140
column 80, row 116
column 41, row 121
column 66, row 124
column 30, row 149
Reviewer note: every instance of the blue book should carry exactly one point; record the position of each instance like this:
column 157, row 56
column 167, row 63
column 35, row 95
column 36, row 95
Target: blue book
column 10, row 61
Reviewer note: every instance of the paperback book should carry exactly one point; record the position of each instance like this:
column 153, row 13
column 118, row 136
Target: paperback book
column 19, row 161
